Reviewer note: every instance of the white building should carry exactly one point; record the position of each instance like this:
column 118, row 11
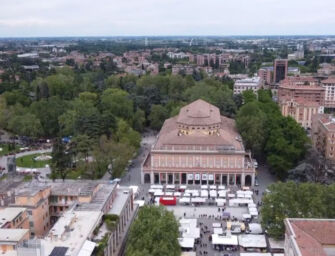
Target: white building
column 254, row 84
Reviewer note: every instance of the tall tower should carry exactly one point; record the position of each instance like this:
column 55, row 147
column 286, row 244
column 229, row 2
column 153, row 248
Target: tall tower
column 280, row 70
column 146, row 42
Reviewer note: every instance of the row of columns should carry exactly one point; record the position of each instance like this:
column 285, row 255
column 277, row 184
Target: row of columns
column 198, row 178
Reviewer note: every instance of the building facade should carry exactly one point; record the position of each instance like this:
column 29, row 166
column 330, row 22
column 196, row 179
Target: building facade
column 254, row 84
column 14, row 217
column 266, row 74
column 323, row 135
column 36, row 200
column 329, row 85
column 301, row 98
column 280, row 69
column 199, row 146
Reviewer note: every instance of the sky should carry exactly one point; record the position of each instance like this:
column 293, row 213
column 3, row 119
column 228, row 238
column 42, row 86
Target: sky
column 31, row 18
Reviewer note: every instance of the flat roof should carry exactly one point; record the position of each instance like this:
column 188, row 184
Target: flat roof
column 252, row 241
column 30, row 188
column 99, row 199
column 73, row 188
column 121, row 198
column 9, row 213
column 71, row 230
column 9, row 235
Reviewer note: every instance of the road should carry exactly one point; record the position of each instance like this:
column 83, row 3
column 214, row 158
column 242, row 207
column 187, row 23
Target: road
column 44, row 171
column 133, row 176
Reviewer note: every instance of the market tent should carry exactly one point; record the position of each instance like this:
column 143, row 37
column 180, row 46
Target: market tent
column 255, row 228
column 158, row 193
column 204, row 193
column 224, row 240
column 185, row 200
column 220, row 201
column 189, row 228
column 252, row 241
column 222, row 193
column 246, row 216
column 216, row 225
column 198, row 200
column 156, row 186
column 213, row 193
column 231, row 195
column 186, row 242
column 170, row 187
column 218, row 231
column 222, row 187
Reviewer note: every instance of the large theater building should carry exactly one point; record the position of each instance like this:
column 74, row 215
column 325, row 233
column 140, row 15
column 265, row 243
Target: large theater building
column 199, row 146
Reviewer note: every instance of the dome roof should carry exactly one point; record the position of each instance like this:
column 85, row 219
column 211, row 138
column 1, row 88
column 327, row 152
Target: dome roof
column 199, row 113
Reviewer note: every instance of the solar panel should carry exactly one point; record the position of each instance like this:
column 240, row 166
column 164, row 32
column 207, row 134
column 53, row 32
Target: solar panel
column 59, row 251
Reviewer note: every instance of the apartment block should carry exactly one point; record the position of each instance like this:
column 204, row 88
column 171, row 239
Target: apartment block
column 323, row 135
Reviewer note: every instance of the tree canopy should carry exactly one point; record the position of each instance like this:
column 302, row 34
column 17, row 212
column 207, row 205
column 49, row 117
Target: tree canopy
column 153, row 233
column 292, row 200
column 279, row 140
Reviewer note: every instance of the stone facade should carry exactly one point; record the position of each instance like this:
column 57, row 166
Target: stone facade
column 199, row 146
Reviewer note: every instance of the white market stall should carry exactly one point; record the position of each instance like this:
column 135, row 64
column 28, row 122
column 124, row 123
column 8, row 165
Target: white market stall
column 252, row 241
column 224, row 240
column 220, row 202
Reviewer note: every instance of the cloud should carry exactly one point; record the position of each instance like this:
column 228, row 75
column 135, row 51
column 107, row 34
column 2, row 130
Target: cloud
column 165, row 17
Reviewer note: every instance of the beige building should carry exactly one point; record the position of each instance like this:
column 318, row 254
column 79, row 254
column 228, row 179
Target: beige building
column 36, row 200
column 329, row 85
column 10, row 238
column 301, row 98
column 323, row 135
column 14, row 217
column 309, row 237
column 198, row 146
column 301, row 110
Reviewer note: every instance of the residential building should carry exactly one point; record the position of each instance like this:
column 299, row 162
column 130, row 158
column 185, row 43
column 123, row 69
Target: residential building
column 326, row 69
column 198, row 146
column 36, row 200
column 309, row 237
column 78, row 229
column 323, row 135
column 254, row 84
column 329, row 85
column 301, row 98
column 10, row 239
column 14, row 218
column 280, row 70
column 266, row 74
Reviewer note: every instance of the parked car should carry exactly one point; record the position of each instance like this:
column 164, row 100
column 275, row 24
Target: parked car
column 115, row 181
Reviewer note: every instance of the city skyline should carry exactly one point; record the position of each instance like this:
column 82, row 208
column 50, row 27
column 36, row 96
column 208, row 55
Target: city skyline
column 169, row 18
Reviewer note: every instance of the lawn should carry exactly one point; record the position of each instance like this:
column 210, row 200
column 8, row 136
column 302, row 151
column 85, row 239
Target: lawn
column 28, row 161
column 5, row 150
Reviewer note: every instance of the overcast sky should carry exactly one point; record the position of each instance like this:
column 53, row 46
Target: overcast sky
column 21, row 18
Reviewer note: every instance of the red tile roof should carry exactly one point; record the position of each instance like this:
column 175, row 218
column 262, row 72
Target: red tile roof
column 312, row 235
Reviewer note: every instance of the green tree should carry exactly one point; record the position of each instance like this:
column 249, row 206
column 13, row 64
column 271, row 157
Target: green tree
column 154, row 232
column 117, row 102
column 61, row 160
column 157, row 116
column 250, row 122
column 292, row 200
column 26, row 125
column 249, row 96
